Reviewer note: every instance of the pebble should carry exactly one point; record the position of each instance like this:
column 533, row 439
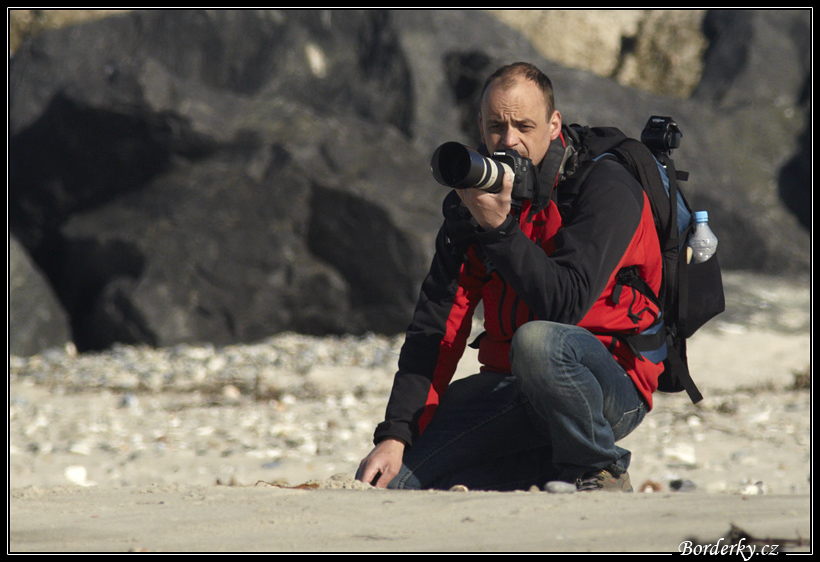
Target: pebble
column 242, row 412
column 681, row 485
column 754, row 489
column 681, row 454
column 560, row 487
column 296, row 406
column 650, row 487
column 78, row 475
column 272, row 365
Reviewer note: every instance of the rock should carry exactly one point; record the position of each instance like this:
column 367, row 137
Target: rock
column 650, row 487
column 222, row 176
column 680, row 454
column 745, row 80
column 37, row 320
column 77, row 474
column 754, row 489
column 681, row 485
column 660, row 51
column 560, row 487
column 264, row 232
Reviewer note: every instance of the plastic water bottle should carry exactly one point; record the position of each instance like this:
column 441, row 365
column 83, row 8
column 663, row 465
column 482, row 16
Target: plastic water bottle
column 703, row 241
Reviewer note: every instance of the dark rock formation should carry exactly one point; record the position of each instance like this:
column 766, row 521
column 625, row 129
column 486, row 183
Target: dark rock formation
column 200, row 175
column 37, row 320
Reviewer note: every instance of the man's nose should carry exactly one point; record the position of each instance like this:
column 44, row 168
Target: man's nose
column 510, row 139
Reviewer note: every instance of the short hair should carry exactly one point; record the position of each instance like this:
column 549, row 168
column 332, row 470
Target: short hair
column 507, row 75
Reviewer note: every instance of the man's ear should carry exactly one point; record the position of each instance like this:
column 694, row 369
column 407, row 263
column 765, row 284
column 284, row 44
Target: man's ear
column 481, row 128
column 555, row 124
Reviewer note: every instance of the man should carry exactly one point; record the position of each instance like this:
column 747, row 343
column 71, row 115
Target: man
column 556, row 389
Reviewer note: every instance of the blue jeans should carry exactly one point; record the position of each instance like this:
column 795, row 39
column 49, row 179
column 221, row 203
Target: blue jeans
column 557, row 416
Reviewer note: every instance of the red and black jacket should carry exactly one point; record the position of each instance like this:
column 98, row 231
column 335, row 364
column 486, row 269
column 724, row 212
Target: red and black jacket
column 561, row 269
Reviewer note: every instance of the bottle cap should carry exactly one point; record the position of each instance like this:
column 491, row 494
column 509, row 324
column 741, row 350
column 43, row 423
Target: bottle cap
column 701, row 216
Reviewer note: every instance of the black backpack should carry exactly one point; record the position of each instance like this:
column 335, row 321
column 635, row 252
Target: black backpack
column 691, row 293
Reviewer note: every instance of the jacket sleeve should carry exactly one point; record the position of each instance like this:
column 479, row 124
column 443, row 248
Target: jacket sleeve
column 435, row 339
column 563, row 287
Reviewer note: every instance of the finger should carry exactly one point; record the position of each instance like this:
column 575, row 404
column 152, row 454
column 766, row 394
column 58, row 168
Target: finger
column 384, row 479
column 367, row 471
column 508, row 180
column 374, row 474
column 360, row 471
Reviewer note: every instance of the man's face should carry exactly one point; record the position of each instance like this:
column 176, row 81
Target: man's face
column 516, row 117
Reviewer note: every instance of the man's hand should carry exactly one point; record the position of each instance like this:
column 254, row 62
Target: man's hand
column 382, row 464
column 489, row 209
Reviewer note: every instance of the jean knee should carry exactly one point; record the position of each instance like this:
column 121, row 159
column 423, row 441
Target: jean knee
column 531, row 337
column 532, row 350
column 535, row 341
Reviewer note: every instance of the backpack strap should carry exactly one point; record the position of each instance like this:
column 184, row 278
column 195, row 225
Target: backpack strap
column 658, row 342
column 675, row 268
column 552, row 170
column 680, row 366
column 629, row 277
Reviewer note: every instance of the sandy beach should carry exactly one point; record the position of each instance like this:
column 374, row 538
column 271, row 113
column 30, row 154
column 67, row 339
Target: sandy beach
column 119, row 452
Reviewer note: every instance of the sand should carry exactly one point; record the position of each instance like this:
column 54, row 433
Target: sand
column 739, row 462
column 268, row 519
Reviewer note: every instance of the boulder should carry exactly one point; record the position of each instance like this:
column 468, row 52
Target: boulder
column 37, row 320
column 225, row 175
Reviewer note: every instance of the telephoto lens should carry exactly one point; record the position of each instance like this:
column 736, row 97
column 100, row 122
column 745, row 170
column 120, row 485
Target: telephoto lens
column 458, row 166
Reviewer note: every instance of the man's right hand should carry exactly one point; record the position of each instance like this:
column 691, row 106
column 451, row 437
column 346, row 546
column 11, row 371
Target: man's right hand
column 489, row 209
column 382, row 464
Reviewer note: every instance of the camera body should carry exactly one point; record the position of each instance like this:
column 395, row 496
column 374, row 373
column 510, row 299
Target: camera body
column 460, row 167
column 661, row 134
column 525, row 175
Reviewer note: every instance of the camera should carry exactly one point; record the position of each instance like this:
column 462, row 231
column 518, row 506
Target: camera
column 661, row 134
column 458, row 166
